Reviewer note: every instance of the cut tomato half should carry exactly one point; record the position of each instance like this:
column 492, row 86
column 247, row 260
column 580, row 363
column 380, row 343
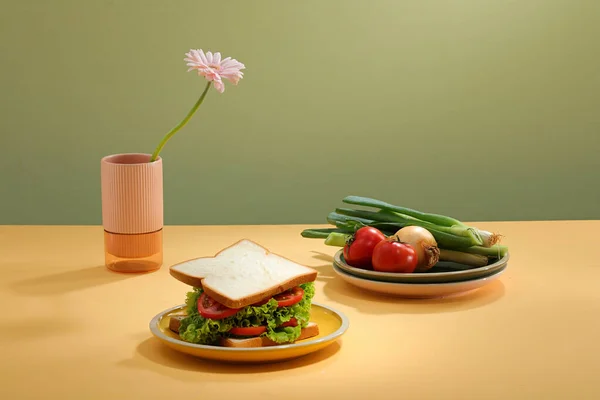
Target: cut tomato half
column 248, row 331
column 210, row 308
column 290, row 297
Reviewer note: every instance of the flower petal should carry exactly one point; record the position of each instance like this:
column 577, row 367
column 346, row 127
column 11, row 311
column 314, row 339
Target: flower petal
column 202, row 56
column 218, row 84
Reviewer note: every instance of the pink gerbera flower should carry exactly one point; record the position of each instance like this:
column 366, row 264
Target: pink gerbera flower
column 214, row 69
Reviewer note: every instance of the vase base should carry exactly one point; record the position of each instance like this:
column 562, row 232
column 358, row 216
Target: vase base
column 133, row 253
column 131, row 266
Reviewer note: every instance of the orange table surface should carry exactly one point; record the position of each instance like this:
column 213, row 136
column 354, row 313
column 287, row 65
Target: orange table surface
column 71, row 329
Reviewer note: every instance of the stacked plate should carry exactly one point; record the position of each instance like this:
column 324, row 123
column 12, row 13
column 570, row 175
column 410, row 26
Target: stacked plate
column 444, row 279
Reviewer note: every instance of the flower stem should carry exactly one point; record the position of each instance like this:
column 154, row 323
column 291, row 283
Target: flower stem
column 181, row 124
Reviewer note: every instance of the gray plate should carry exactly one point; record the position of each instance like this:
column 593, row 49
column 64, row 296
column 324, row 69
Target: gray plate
column 442, row 272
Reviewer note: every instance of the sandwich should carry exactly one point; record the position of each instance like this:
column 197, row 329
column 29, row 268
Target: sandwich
column 245, row 296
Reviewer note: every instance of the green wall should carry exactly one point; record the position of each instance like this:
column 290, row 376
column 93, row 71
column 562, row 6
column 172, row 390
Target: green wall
column 485, row 110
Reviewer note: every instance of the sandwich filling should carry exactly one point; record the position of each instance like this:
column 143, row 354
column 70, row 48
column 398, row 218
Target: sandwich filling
column 279, row 318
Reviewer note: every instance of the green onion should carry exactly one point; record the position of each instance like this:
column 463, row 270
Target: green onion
column 496, row 251
column 318, row 233
column 474, row 260
column 481, row 237
column 334, row 217
column 395, row 217
column 436, row 219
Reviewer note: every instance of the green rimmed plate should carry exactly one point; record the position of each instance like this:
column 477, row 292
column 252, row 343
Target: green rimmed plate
column 419, row 290
column 440, row 273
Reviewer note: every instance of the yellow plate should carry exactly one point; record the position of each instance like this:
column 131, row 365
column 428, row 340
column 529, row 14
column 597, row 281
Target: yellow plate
column 332, row 325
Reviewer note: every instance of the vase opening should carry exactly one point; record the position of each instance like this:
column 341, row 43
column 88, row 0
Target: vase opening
column 129, row 158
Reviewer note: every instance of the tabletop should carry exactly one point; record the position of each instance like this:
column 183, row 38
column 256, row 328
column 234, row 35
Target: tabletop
column 71, row 328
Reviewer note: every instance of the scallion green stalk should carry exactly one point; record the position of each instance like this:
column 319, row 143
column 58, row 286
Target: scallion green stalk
column 496, row 251
column 318, row 233
column 474, row 260
column 396, row 217
column 436, row 219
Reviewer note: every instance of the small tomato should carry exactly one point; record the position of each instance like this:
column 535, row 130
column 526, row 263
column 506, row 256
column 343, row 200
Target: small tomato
column 358, row 252
column 391, row 255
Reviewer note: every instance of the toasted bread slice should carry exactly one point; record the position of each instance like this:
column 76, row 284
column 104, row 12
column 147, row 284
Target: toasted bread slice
column 175, row 322
column 242, row 274
column 311, row 330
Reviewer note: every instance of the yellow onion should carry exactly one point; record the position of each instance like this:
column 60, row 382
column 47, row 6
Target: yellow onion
column 424, row 243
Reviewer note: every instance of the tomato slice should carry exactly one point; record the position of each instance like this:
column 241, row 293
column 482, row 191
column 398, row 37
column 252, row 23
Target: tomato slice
column 248, row 331
column 290, row 297
column 262, row 302
column 210, row 308
column 292, row 322
column 285, row 299
column 258, row 330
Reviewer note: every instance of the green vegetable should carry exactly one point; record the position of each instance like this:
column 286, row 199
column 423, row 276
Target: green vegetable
column 495, row 251
column 393, row 217
column 348, row 224
column 197, row 329
column 471, row 245
column 481, row 237
column 436, row 219
column 473, row 260
column 319, row 233
column 335, row 217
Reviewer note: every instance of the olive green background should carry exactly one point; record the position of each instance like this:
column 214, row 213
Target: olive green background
column 484, row 110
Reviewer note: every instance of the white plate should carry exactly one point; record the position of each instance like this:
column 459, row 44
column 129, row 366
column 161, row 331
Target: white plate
column 417, row 290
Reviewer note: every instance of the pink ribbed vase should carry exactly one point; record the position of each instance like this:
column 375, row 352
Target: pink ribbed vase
column 132, row 212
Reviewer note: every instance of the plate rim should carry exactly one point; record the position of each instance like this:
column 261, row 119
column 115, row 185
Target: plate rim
column 425, row 284
column 337, row 259
column 156, row 331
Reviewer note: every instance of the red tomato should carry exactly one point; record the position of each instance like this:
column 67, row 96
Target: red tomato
column 359, row 251
column 289, row 297
column 248, row 331
column 292, row 322
column 285, row 299
column 258, row 330
column 210, row 308
column 262, row 302
column 394, row 256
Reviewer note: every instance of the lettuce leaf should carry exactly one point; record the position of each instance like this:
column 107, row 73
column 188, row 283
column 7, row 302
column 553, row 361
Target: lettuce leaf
column 197, row 329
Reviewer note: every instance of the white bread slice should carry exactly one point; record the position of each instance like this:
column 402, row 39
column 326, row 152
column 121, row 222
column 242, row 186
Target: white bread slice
column 311, row 330
column 242, row 274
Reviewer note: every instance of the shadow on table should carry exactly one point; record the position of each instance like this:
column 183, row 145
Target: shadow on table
column 153, row 355
column 28, row 328
column 69, row 281
column 326, row 270
column 374, row 303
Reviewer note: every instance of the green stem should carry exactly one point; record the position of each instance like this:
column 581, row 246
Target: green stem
column 496, row 251
column 436, row 219
column 473, row 260
column 181, row 124
column 319, row 233
column 396, row 217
